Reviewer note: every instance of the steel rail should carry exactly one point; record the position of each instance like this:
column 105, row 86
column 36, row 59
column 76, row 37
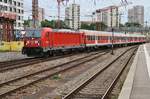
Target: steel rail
column 50, row 75
column 81, row 86
column 4, row 66
column 109, row 90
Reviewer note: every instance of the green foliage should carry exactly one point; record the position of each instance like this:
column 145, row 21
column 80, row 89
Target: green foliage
column 88, row 26
column 133, row 24
column 53, row 24
column 26, row 23
column 121, row 25
column 56, row 77
column 94, row 26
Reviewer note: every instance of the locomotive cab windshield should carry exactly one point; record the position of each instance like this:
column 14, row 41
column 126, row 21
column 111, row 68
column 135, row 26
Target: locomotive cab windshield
column 33, row 33
column 32, row 38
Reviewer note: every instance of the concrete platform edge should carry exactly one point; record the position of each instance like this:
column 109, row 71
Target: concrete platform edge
column 127, row 86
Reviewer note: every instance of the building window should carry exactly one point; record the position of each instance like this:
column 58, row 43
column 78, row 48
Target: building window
column 10, row 9
column 5, row 8
column 18, row 4
column 21, row 4
column 22, row 11
column 5, row 1
column 14, row 9
column 19, row 18
column 15, row 3
column 10, row 1
column 19, row 11
column 19, row 24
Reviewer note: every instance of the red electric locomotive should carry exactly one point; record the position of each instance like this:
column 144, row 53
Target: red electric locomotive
column 45, row 41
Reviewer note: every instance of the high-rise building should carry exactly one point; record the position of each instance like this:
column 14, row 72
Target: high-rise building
column 16, row 7
column 72, row 16
column 41, row 14
column 109, row 16
column 136, row 15
column 11, row 18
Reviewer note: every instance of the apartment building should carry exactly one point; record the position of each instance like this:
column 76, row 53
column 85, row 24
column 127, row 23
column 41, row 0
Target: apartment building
column 72, row 16
column 108, row 15
column 15, row 7
column 136, row 15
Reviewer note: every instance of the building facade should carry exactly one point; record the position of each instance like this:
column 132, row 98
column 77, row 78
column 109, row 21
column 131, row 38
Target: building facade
column 109, row 16
column 41, row 14
column 11, row 19
column 72, row 16
column 15, row 7
column 136, row 15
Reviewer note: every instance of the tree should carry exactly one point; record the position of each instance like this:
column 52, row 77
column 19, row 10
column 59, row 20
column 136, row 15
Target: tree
column 26, row 23
column 84, row 26
column 47, row 23
column 53, row 24
column 121, row 25
column 94, row 26
column 133, row 24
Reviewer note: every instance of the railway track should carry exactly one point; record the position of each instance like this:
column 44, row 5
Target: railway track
column 9, row 86
column 10, row 65
column 76, row 92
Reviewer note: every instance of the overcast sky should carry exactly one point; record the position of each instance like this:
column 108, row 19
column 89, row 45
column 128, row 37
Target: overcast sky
column 87, row 7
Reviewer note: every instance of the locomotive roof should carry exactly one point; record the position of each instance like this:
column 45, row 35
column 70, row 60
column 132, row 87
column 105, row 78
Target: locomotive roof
column 66, row 30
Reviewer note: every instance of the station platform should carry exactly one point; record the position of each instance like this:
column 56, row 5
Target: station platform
column 137, row 83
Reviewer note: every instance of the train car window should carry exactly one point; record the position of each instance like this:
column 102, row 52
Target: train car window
column 102, row 38
column 88, row 37
column 93, row 37
column 99, row 38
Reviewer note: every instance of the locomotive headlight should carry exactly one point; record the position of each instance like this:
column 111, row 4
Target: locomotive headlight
column 27, row 42
column 37, row 42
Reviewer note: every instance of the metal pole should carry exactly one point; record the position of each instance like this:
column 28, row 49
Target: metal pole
column 58, row 26
column 112, row 52
column 0, row 27
column 112, row 38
